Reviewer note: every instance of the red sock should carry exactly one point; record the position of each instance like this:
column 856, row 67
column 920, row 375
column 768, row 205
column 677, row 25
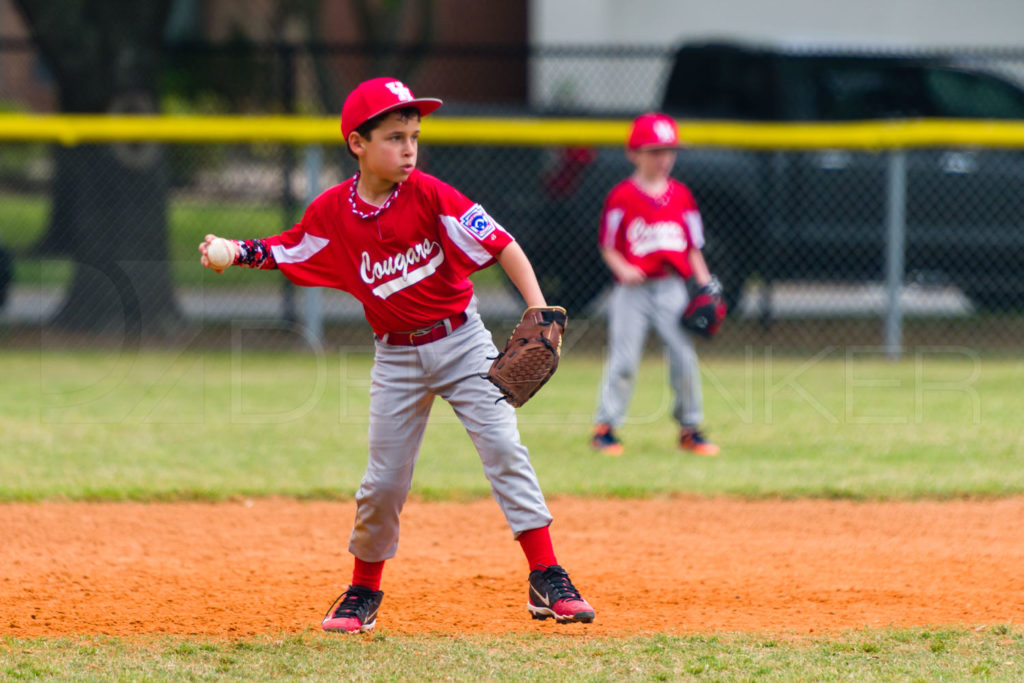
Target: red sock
column 536, row 543
column 367, row 574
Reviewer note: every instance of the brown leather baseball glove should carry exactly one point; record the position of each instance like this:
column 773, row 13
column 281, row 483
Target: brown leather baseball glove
column 531, row 354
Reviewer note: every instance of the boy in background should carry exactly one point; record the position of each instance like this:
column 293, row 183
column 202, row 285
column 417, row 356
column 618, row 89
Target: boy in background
column 651, row 237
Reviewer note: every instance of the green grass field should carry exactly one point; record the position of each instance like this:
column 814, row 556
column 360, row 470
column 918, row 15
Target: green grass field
column 156, row 426
column 992, row 654
column 25, row 219
column 131, row 426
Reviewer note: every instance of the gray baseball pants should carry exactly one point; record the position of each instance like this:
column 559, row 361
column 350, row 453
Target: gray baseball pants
column 632, row 310
column 404, row 382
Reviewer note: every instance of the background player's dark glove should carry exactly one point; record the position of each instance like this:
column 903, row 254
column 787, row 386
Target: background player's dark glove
column 706, row 310
column 531, row 354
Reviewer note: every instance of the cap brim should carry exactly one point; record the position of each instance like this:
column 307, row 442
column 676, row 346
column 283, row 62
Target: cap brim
column 425, row 105
column 655, row 145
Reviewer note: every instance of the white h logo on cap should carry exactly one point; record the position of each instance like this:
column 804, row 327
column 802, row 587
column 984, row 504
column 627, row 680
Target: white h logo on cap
column 663, row 129
column 401, row 92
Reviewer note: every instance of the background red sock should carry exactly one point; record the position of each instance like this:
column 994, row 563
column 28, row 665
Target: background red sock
column 367, row 574
column 536, row 543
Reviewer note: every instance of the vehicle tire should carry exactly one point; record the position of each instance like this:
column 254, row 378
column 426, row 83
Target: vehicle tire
column 996, row 300
column 571, row 273
column 561, row 243
column 727, row 262
column 6, row 274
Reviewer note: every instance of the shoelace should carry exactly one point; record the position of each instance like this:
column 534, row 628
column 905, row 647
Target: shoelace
column 560, row 584
column 351, row 601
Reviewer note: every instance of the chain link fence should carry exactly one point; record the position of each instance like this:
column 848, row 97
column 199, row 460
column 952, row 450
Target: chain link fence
column 816, row 247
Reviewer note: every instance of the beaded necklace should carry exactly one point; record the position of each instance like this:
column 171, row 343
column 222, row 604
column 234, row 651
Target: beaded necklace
column 379, row 210
column 660, row 200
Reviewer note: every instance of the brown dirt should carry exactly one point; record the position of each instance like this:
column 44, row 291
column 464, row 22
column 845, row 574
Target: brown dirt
column 671, row 566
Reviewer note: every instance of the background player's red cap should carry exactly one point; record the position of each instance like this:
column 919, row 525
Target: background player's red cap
column 653, row 131
column 377, row 96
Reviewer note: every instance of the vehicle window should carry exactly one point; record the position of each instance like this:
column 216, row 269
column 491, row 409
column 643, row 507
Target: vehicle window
column 960, row 94
column 867, row 90
column 715, row 83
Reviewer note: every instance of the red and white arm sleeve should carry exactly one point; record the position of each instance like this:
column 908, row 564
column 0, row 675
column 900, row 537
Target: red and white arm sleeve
column 255, row 254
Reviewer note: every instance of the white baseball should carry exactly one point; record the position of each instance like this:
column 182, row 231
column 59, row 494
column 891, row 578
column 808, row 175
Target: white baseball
column 219, row 253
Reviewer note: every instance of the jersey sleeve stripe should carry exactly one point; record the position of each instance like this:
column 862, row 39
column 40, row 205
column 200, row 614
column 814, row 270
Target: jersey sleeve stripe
column 307, row 247
column 464, row 241
column 696, row 226
column 611, row 227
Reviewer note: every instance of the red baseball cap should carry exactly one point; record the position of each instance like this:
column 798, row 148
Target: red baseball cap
column 653, row 131
column 378, row 96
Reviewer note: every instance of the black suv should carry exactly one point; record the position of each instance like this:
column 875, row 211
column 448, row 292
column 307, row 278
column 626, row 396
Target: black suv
column 807, row 215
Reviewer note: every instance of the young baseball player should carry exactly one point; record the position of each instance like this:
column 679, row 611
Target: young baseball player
column 651, row 237
column 404, row 244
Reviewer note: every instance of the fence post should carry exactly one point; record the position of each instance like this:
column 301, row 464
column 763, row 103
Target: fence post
column 286, row 55
column 312, row 297
column 895, row 240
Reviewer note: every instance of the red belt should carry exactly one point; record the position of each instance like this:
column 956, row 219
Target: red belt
column 438, row 330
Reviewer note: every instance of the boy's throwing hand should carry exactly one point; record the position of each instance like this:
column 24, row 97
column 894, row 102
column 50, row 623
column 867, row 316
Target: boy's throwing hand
column 217, row 253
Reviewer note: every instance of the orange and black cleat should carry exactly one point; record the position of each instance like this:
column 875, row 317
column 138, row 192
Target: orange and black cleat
column 693, row 441
column 604, row 440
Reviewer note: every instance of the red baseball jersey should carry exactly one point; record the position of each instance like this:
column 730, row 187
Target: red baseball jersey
column 408, row 262
column 652, row 233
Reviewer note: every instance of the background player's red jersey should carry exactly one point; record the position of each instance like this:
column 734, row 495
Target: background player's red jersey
column 652, row 233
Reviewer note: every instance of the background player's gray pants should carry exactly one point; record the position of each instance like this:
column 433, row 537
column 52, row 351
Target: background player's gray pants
column 404, row 381
column 632, row 309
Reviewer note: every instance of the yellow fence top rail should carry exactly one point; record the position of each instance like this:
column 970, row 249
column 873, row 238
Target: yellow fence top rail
column 75, row 129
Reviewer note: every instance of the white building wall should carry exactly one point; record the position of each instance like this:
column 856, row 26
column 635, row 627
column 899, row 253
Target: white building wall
column 923, row 23
column 934, row 24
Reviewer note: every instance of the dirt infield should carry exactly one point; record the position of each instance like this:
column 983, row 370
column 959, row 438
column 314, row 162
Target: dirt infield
column 671, row 566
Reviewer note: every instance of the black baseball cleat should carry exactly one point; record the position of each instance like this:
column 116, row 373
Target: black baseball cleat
column 355, row 611
column 553, row 595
